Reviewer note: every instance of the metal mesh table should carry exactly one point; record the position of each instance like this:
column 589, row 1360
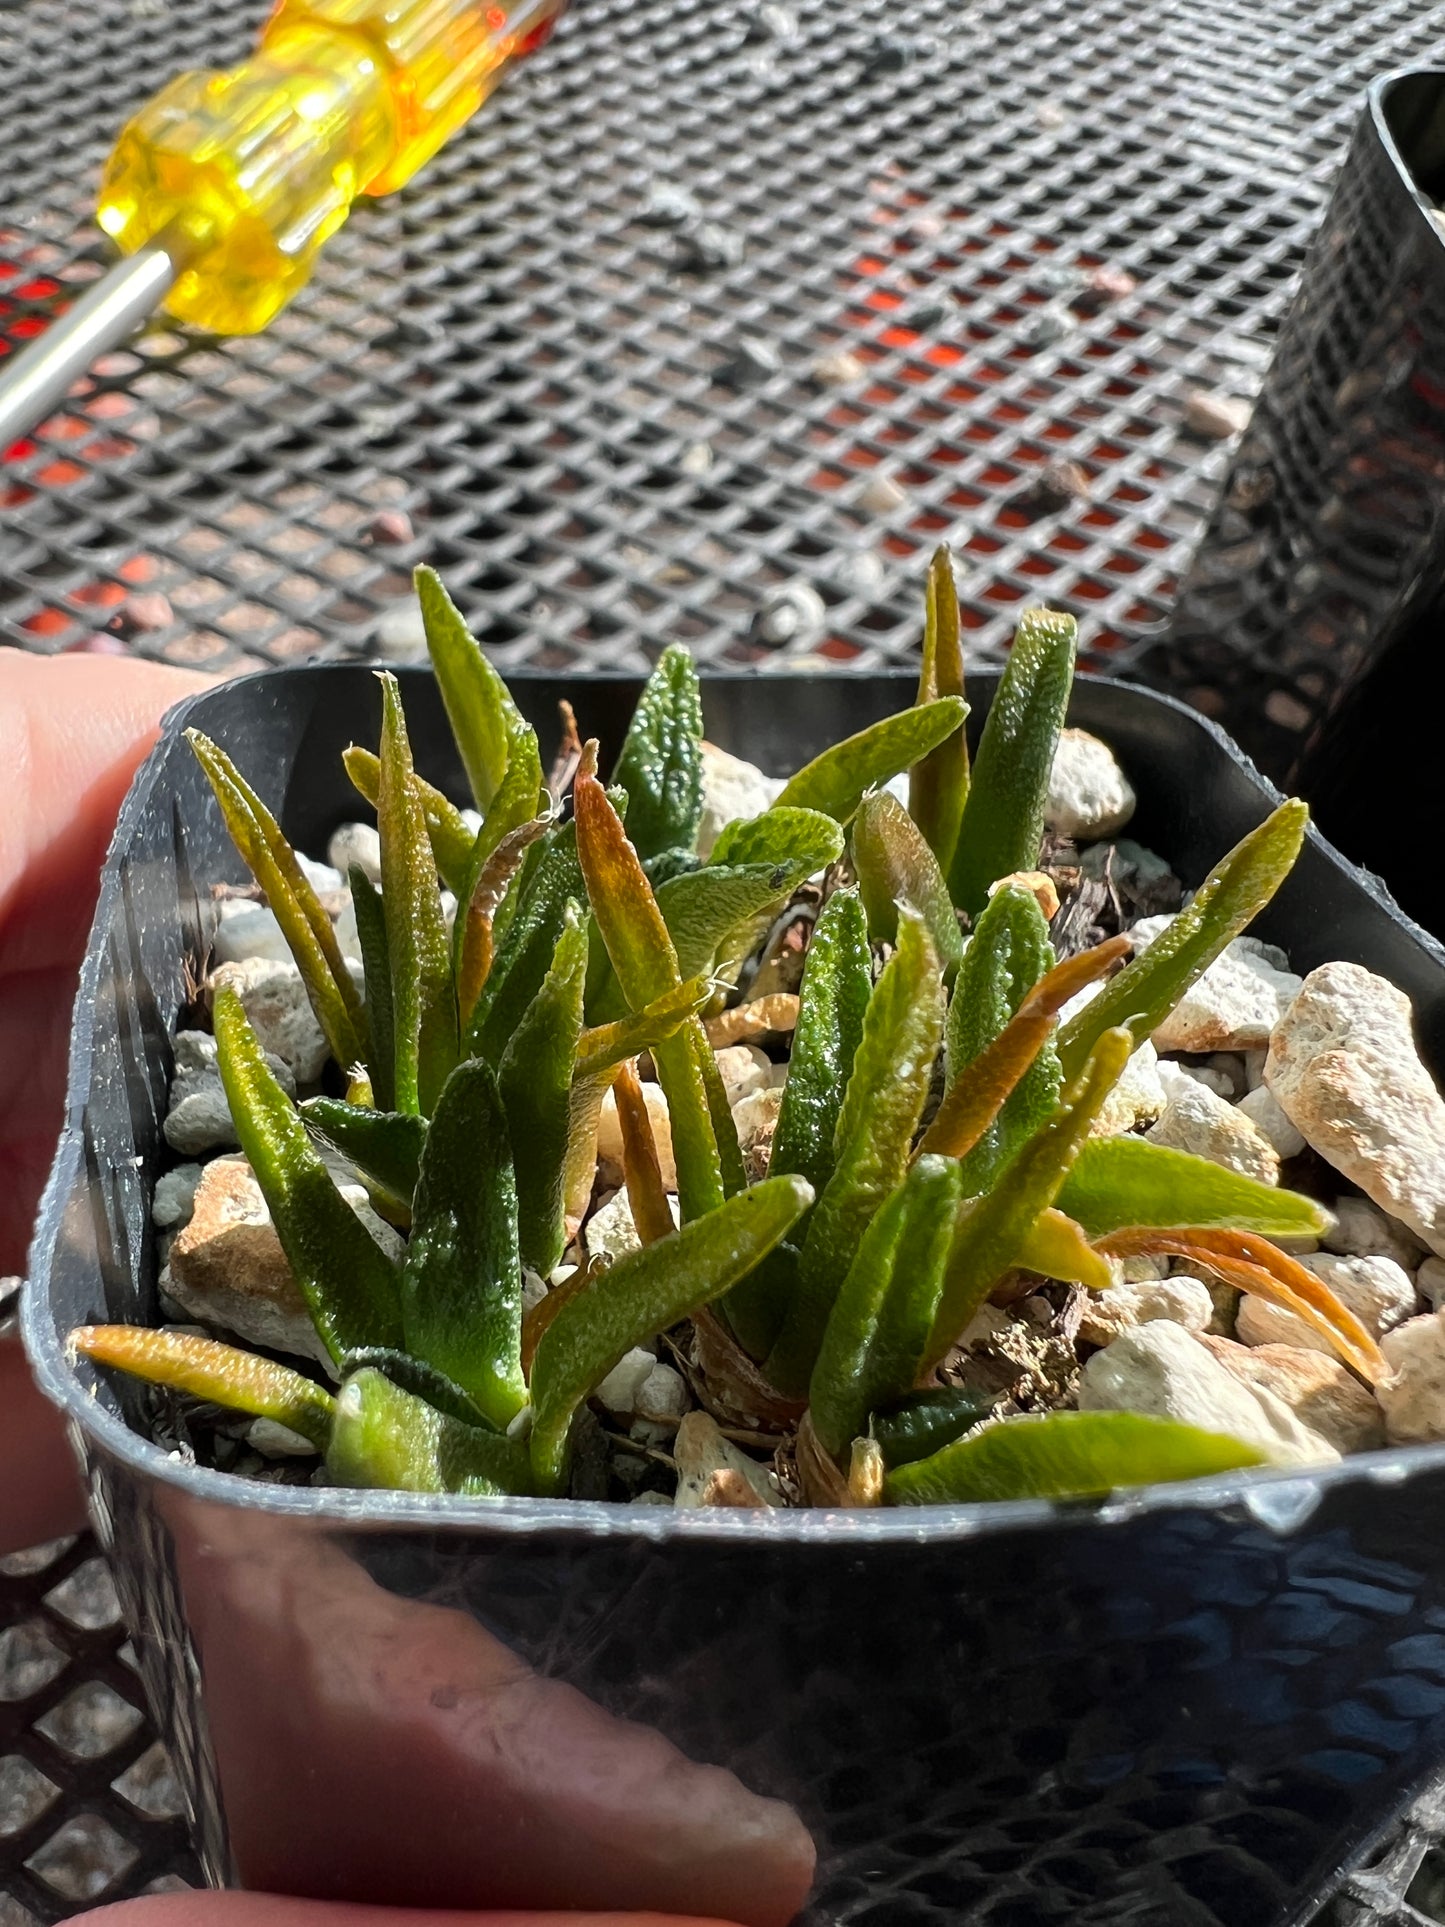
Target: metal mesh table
column 718, row 320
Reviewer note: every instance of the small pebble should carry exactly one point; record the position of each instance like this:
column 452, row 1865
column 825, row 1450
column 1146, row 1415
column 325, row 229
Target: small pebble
column 1045, row 326
column 670, row 206
column 620, row 1389
column 708, row 246
column 356, row 843
column 1103, row 286
column 391, row 525
column 1216, row 417
column 662, row 1394
column 174, row 1197
column 400, row 633
column 696, row 458
column 1054, row 486
column 753, row 360
column 840, row 369
column 888, row 53
column 881, row 495
column 1050, row 114
column 923, row 320
column 795, row 612
column 769, row 22
column 862, row 572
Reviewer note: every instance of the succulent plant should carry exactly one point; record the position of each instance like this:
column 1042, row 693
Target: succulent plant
column 933, row 1140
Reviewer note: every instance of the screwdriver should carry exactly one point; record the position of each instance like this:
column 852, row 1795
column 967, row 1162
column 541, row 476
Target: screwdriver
column 224, row 188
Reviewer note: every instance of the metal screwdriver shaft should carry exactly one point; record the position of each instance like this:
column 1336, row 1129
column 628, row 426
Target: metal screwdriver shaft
column 224, row 188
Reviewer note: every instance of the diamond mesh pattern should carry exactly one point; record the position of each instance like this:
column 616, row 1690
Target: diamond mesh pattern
column 509, row 370
column 610, row 433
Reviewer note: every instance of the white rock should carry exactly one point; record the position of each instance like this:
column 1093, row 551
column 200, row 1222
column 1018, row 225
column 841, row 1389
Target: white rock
column 401, row 633
column 743, row 1069
column 227, row 1267
column 700, row 1450
column 199, row 1118
column 651, row 1498
column 1185, row 1301
column 357, row 843
column 248, row 930
column 1254, row 1062
column 1236, row 1003
column 755, row 1118
column 1198, row 1121
column 1163, row 1371
column 174, row 1197
column 1205, row 1074
column 535, row 1289
column 1413, row 1397
column 610, row 1233
column 324, row 878
column 274, row 999
column 731, row 789
column 1139, row 1096
column 1266, row 1114
column 1320, row 1392
column 1376, row 1290
column 1362, row 1230
column 1089, row 794
column 348, row 937
column 275, row 1441
column 662, row 1394
column 472, row 819
column 609, row 1133
column 1430, row 1282
column 620, row 1389
column 1343, row 1063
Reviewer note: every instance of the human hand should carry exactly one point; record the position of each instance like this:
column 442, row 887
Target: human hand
column 73, row 730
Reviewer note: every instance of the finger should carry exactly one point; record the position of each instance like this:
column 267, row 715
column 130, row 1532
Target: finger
column 271, row 1910
column 40, row 1492
column 72, row 732
column 34, row 1034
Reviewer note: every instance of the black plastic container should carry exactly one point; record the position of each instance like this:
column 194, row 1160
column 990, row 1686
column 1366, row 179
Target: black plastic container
column 1189, row 1706
column 1328, row 544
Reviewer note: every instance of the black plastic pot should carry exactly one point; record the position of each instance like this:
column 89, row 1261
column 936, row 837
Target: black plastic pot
column 1188, row 1706
column 1328, row 545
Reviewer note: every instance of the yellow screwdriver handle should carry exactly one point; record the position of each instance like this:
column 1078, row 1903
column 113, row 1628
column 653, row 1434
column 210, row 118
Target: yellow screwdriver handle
column 247, row 173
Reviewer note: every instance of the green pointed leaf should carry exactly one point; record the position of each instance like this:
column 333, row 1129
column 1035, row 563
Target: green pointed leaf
column 882, row 1318
column 938, row 782
column 604, row 1045
column 414, row 1375
column 424, row 1003
column 376, row 966
column 446, row 827
column 479, row 706
column 625, row 912
column 201, row 1368
column 925, row 1422
column 835, row 781
column 524, row 954
column 703, row 909
column 1066, row 1455
column 513, row 807
column 642, row 1294
column 895, row 865
column 349, row 1284
column 387, row 1438
column 461, row 1283
column 1009, row 953
column 385, row 1147
column 1234, row 893
column 1120, row 1181
column 535, row 1083
column 881, row 1109
column 661, row 762
column 806, row 841
column 1057, row 1246
column 1003, row 820
column 306, row 927
column 993, row 1230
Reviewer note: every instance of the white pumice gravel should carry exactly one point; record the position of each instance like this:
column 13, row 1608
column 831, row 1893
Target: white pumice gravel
column 1089, row 795
column 199, row 1118
column 1344, row 1066
column 356, row 843
column 1235, row 1005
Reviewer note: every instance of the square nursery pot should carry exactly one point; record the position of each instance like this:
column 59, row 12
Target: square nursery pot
column 1186, row 1706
